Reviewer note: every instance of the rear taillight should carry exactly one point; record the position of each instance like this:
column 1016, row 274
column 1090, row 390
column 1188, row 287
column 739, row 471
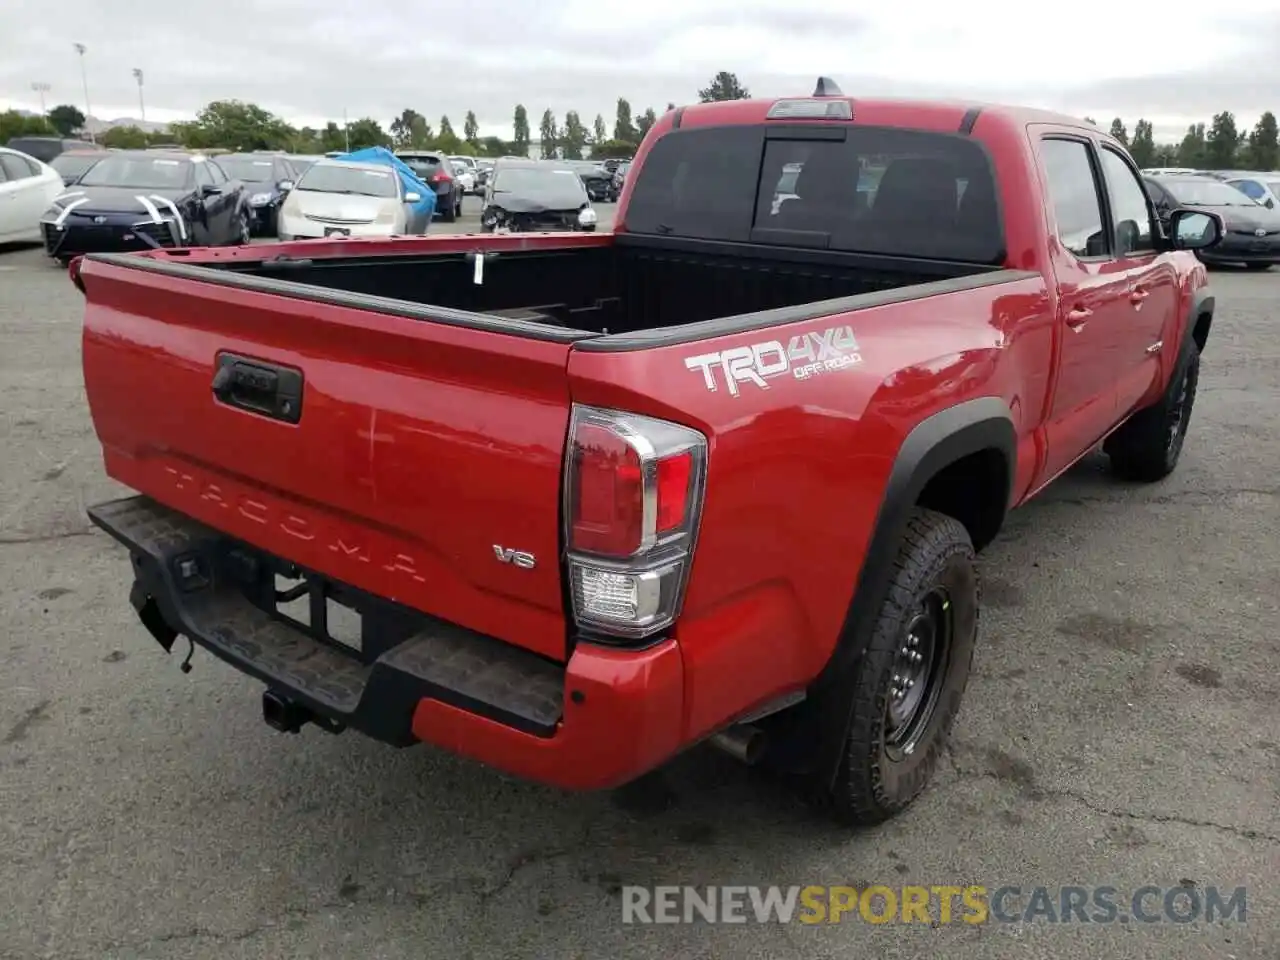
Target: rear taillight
column 440, row 177
column 633, row 500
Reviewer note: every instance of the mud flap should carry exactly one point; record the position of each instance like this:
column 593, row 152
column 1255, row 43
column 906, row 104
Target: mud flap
column 151, row 617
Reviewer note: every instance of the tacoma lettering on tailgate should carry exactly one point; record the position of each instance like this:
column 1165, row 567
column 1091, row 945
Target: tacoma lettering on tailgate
column 299, row 528
column 807, row 355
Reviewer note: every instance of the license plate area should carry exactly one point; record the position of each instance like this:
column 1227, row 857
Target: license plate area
column 353, row 621
column 316, row 606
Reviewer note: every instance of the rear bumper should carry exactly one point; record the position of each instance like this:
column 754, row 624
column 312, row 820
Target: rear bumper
column 446, row 197
column 602, row 719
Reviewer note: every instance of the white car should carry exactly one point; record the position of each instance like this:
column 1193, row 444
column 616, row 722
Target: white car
column 339, row 198
column 27, row 189
column 464, row 174
column 786, row 188
column 1262, row 187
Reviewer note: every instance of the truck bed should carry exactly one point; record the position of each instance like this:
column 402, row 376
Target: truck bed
column 281, row 398
column 618, row 285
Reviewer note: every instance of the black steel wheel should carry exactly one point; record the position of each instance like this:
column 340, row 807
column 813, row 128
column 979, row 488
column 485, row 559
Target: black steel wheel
column 917, row 670
column 912, row 678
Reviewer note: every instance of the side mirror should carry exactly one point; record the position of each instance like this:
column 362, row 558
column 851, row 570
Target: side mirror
column 412, row 197
column 285, row 185
column 1194, row 229
column 1270, row 204
column 210, row 190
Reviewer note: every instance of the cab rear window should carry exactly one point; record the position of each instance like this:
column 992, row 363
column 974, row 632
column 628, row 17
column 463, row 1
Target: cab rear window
column 875, row 190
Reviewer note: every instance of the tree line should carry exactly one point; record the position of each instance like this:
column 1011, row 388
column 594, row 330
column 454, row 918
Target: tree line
column 235, row 125
column 232, row 124
column 1223, row 146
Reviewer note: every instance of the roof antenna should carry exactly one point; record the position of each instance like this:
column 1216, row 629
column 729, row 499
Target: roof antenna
column 827, row 88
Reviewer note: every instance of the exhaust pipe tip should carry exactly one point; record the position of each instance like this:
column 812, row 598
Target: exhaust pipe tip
column 743, row 742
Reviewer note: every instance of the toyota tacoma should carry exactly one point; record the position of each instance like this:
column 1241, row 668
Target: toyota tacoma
column 570, row 504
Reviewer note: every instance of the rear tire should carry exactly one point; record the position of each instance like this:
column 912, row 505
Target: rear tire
column 1148, row 446
column 450, row 215
column 913, row 675
column 244, row 230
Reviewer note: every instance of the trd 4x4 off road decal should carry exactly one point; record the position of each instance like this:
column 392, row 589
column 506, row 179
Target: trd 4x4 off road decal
column 807, row 355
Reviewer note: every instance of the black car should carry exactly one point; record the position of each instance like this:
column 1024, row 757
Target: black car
column 74, row 164
column 437, row 170
column 45, row 149
column 138, row 200
column 1251, row 232
column 597, row 180
column 529, row 195
column 268, row 180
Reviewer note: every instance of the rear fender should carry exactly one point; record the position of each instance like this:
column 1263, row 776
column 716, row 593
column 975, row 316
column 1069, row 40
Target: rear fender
column 823, row 719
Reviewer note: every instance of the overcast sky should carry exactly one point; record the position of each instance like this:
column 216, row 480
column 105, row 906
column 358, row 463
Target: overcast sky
column 308, row 60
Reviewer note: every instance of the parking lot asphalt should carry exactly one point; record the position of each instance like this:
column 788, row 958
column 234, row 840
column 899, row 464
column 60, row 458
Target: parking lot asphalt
column 1121, row 729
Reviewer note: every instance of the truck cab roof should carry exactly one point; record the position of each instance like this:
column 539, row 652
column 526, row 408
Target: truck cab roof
column 927, row 114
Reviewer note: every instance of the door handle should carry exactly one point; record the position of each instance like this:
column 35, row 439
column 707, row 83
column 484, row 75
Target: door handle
column 1077, row 317
column 1138, row 296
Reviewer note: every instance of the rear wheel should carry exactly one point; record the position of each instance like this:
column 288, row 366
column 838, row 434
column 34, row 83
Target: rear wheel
column 913, row 675
column 244, row 230
column 451, row 213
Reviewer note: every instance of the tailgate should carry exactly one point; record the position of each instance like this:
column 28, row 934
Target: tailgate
column 419, row 461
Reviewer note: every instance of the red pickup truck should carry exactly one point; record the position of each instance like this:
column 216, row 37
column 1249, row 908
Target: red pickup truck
column 572, row 504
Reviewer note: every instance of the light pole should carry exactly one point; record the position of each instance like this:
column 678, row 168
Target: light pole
column 137, row 75
column 41, row 89
column 84, row 76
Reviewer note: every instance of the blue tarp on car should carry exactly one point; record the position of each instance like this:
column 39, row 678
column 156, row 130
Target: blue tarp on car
column 426, row 207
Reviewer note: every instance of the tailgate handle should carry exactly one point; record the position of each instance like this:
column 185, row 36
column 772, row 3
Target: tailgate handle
column 257, row 386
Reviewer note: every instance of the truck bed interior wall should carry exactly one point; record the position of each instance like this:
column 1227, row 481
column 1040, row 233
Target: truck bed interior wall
column 616, row 289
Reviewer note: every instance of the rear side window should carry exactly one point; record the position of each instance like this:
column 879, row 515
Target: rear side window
column 879, row 190
column 1073, row 190
column 1250, row 188
column 17, row 168
column 42, row 148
